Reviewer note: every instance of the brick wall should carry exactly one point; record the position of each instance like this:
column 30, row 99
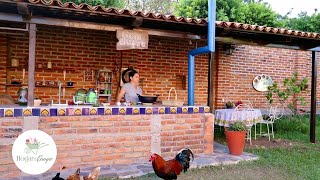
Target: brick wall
column 235, row 73
column 3, row 60
column 160, row 65
column 86, row 141
column 10, row 128
column 78, row 50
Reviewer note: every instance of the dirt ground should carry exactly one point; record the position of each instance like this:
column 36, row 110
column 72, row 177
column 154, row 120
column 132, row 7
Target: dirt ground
column 263, row 142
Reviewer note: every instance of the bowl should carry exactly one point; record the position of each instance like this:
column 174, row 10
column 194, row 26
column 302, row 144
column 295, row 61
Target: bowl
column 37, row 102
column 105, row 104
column 147, row 99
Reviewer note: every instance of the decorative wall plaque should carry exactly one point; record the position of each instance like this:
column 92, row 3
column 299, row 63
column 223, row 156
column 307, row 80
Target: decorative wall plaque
column 261, row 82
column 130, row 39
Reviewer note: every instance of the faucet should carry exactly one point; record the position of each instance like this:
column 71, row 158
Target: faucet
column 59, row 91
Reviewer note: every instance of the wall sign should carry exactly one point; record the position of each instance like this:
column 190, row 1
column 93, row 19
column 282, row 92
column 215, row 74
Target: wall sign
column 261, row 82
column 130, row 39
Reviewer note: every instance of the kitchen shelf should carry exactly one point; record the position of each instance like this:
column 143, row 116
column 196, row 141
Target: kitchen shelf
column 40, row 69
column 104, row 94
column 54, row 86
column 104, row 82
column 17, row 85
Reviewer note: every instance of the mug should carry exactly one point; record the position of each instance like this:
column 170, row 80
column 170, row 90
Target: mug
column 70, row 83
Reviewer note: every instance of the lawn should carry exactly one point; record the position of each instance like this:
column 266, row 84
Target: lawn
column 289, row 156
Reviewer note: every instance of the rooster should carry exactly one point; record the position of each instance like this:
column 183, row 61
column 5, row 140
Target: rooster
column 76, row 176
column 169, row 170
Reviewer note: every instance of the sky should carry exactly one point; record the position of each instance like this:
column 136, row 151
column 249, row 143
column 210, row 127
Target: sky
column 284, row 6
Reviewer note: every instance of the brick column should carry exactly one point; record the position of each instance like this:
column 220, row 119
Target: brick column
column 208, row 133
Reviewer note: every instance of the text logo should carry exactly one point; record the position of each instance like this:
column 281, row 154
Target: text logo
column 34, row 152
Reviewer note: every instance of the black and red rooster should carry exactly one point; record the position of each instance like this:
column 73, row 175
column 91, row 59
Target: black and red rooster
column 169, row 170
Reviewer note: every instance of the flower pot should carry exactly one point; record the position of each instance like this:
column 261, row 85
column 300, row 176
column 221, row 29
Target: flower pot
column 235, row 141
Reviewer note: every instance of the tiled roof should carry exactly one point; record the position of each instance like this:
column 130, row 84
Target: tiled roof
column 170, row 18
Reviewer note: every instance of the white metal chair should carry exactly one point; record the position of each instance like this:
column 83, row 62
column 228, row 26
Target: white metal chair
column 274, row 113
column 244, row 110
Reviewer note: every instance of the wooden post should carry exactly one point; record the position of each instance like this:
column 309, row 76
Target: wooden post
column 313, row 97
column 211, row 80
column 31, row 64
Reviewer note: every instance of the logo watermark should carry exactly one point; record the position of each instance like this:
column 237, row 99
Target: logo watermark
column 34, row 152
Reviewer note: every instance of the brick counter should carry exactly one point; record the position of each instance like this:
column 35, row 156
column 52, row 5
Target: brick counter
column 93, row 140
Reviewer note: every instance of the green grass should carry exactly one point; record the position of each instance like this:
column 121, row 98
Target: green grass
column 295, row 160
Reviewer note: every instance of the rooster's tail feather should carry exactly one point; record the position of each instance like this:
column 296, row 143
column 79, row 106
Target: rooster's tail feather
column 183, row 157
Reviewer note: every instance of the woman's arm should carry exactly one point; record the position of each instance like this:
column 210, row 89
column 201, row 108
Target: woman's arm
column 121, row 94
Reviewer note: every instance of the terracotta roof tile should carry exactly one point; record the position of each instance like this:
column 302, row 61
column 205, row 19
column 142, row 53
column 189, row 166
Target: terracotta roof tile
column 170, row 18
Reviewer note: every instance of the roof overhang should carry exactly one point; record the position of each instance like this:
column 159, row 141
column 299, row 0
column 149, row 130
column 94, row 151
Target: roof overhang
column 55, row 13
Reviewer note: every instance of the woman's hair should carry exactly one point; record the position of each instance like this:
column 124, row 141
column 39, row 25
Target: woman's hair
column 132, row 73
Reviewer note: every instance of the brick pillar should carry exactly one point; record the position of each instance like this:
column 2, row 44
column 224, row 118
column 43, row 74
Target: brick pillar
column 208, row 133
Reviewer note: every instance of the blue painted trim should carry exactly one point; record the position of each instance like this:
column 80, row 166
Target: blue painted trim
column 211, row 25
column 191, row 80
column 202, row 50
column 104, row 111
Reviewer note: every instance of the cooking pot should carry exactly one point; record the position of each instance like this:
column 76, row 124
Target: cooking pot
column 147, row 99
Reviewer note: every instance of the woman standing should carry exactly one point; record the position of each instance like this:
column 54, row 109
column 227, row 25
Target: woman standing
column 131, row 89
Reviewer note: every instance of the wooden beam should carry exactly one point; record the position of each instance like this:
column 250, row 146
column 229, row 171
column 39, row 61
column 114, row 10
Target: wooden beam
column 211, row 80
column 94, row 26
column 137, row 22
column 31, row 64
column 313, row 97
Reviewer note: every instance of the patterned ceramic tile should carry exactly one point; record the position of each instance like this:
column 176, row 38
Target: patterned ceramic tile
column 100, row 111
column 162, row 110
column 1, row 112
column 78, row 112
column 173, row 110
column 115, row 111
column 27, row 112
column 179, row 110
column 201, row 109
column 122, row 111
column 206, row 109
column 184, row 110
column 36, row 112
column 142, row 110
column 129, row 111
column 69, row 111
column 196, row 110
column 17, row 112
column 167, row 110
column 136, row 111
column 61, row 111
column 108, row 111
column 9, row 112
column 53, row 112
column 45, row 112
column 85, row 111
column 190, row 110
column 155, row 110
column 93, row 111
column 149, row 111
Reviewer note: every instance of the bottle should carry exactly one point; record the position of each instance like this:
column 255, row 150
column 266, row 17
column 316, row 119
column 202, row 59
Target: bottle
column 91, row 96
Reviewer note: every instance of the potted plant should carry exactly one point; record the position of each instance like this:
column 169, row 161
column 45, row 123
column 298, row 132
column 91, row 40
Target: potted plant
column 235, row 136
column 229, row 105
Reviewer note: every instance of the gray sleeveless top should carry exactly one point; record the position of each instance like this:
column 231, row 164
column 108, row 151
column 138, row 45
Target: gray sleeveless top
column 131, row 93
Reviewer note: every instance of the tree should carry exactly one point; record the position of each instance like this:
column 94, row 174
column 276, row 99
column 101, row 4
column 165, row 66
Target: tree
column 105, row 3
column 304, row 22
column 290, row 94
column 251, row 12
column 155, row 6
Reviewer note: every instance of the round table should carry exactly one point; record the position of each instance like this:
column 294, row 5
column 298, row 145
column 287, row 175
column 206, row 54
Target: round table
column 225, row 117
